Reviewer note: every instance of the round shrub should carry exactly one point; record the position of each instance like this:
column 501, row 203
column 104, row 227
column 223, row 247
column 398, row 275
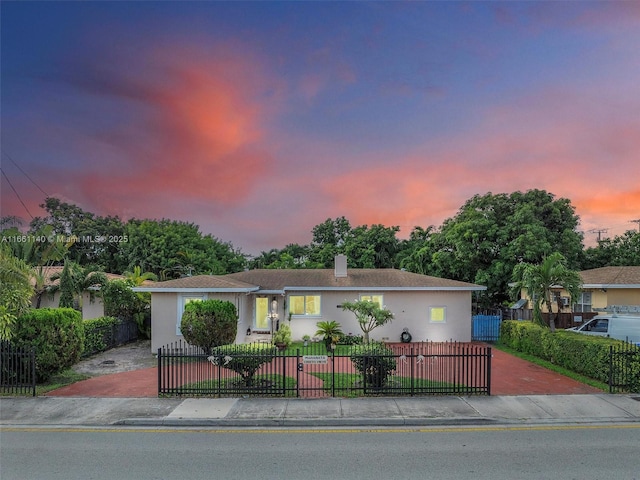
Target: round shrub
column 244, row 359
column 375, row 362
column 209, row 323
column 56, row 334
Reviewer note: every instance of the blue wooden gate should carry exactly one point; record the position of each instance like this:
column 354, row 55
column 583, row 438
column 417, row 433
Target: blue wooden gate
column 486, row 328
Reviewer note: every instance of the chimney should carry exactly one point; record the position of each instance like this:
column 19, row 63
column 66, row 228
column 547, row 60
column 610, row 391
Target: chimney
column 340, row 269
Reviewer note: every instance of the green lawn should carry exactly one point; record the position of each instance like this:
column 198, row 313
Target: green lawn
column 350, row 384
column 263, row 384
column 315, row 348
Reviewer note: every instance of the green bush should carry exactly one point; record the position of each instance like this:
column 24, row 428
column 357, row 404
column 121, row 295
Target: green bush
column 587, row 355
column 375, row 362
column 94, row 330
column 56, row 334
column 244, row 359
column 283, row 336
column 350, row 339
column 209, row 324
column 122, row 302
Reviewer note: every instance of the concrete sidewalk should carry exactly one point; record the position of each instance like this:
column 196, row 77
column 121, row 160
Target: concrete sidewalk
column 329, row 412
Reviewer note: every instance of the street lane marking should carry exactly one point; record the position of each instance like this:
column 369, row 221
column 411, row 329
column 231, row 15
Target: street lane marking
column 319, row 430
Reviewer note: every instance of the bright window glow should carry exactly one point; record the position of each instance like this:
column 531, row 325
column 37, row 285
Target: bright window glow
column 373, row 298
column 304, row 305
column 437, row 314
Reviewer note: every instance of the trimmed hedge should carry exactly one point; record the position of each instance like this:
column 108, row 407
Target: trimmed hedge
column 584, row 354
column 56, row 334
column 94, row 334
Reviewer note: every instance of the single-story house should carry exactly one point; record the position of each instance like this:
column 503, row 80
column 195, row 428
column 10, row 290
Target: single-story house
column 431, row 308
column 602, row 288
column 89, row 303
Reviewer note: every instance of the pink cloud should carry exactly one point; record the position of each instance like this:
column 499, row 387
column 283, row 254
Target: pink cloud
column 571, row 148
column 198, row 136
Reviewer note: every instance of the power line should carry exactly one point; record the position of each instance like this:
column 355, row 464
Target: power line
column 14, row 191
column 25, row 174
column 599, row 232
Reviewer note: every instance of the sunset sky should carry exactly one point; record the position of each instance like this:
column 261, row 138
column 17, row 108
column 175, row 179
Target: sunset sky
column 258, row 121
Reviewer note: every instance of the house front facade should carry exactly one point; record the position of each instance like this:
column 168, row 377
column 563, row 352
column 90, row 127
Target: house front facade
column 602, row 288
column 433, row 309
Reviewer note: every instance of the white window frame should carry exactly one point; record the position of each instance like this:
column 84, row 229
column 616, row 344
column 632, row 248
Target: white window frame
column 438, row 308
column 578, row 307
column 182, row 301
column 305, row 314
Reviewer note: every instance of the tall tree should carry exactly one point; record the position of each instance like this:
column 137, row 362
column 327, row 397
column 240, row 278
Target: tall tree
column 491, row 234
column 372, row 247
column 93, row 240
column 415, row 253
column 622, row 250
column 173, row 249
column 74, row 280
column 539, row 280
column 329, row 239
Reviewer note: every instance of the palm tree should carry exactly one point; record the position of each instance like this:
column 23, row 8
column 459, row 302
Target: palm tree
column 15, row 290
column 138, row 278
column 539, row 280
column 74, row 280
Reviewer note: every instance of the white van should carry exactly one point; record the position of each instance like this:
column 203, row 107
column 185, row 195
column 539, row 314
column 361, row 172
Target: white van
column 620, row 327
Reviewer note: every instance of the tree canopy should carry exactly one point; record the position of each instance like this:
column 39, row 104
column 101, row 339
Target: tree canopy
column 482, row 243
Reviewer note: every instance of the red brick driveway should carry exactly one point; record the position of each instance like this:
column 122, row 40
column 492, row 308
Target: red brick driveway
column 509, row 376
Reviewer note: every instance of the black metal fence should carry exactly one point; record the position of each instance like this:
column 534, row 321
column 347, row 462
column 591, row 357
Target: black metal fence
column 17, row 370
column 624, row 368
column 449, row 368
column 110, row 336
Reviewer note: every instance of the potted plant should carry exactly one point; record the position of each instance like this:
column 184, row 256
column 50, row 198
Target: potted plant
column 305, row 339
column 282, row 338
column 330, row 331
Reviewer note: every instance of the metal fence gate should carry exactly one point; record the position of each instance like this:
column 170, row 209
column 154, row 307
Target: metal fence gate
column 431, row 368
column 624, row 368
column 17, row 369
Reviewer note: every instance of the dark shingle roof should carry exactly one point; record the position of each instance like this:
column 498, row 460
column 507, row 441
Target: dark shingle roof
column 612, row 277
column 325, row 279
column 279, row 280
column 199, row 282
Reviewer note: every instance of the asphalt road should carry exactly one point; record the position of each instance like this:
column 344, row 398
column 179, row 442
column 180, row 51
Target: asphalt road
column 534, row 452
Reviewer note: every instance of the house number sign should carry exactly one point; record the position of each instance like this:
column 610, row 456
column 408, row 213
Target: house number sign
column 315, row 359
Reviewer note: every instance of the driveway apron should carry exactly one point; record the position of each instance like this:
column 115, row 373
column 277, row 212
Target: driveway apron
column 509, row 376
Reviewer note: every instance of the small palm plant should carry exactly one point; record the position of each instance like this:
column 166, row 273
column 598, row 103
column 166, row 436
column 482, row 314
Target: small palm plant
column 330, row 331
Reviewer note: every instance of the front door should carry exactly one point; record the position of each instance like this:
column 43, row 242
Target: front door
column 261, row 320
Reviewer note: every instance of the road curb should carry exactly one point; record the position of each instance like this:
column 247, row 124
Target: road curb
column 297, row 422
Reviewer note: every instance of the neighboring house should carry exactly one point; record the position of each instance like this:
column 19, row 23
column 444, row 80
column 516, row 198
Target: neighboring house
column 609, row 286
column 434, row 309
column 90, row 304
column 602, row 288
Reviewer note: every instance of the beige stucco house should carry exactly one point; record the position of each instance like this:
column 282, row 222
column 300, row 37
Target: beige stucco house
column 89, row 303
column 602, row 288
column 434, row 309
